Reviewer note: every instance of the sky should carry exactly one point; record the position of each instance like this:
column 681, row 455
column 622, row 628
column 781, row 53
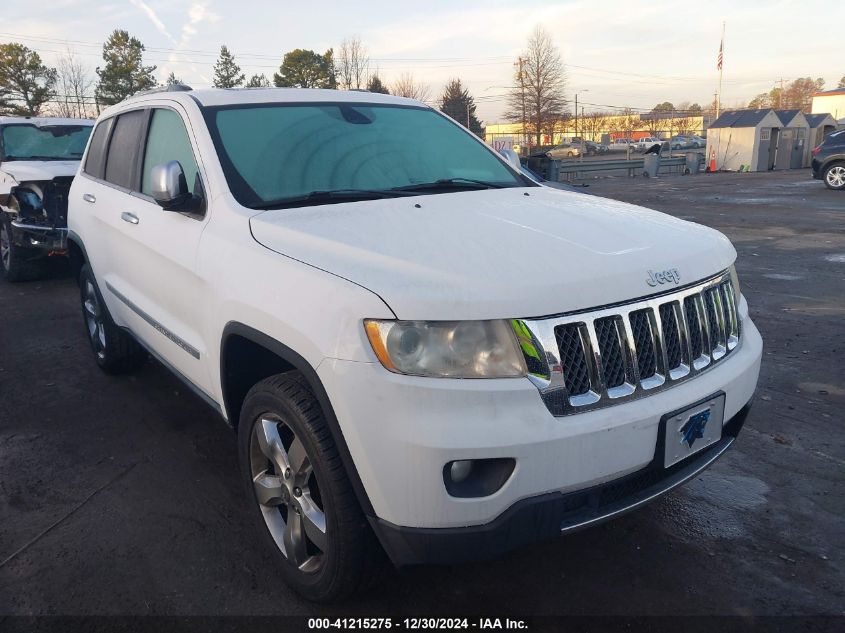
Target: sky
column 616, row 52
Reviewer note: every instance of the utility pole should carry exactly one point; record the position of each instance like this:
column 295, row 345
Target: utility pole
column 576, row 115
column 780, row 95
column 581, row 153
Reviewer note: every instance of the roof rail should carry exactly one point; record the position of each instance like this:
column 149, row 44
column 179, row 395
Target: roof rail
column 168, row 88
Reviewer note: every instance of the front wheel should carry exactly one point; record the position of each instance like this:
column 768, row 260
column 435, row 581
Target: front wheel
column 305, row 508
column 834, row 176
column 14, row 263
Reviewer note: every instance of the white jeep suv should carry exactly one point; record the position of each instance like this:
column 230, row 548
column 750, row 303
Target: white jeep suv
column 424, row 353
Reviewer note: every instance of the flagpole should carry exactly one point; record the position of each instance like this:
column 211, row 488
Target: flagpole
column 721, row 64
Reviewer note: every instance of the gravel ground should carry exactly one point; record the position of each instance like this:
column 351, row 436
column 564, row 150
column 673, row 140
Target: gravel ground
column 121, row 495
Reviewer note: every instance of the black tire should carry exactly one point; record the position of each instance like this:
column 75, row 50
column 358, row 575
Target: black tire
column 353, row 559
column 16, row 264
column 115, row 351
column 833, row 176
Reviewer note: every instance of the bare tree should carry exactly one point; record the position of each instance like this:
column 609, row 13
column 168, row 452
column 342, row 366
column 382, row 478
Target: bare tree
column 75, row 87
column 406, row 86
column 629, row 121
column 540, row 85
column 594, row 123
column 353, row 65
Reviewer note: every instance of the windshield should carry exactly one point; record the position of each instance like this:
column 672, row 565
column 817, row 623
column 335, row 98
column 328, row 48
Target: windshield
column 277, row 153
column 55, row 142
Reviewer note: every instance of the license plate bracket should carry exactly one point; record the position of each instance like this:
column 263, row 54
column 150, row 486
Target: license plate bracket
column 692, row 429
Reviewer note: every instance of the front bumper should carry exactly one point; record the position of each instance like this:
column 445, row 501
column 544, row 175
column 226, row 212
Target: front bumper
column 38, row 237
column 549, row 515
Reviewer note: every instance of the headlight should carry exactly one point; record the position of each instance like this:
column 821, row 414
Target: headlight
column 447, row 349
column 735, row 282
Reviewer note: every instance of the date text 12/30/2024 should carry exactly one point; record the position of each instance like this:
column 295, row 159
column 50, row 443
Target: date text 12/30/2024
column 413, row 624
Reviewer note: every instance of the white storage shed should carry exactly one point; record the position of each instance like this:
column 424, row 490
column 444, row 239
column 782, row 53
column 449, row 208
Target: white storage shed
column 743, row 139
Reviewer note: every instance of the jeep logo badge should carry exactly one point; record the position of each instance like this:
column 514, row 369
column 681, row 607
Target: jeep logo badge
column 663, row 277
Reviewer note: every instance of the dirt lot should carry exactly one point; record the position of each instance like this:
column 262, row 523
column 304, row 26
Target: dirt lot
column 121, row 495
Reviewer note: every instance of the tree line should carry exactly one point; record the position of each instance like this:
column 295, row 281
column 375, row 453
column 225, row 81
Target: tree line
column 796, row 95
column 28, row 87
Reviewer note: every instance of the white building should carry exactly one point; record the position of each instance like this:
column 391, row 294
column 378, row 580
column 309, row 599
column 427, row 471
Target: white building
column 832, row 102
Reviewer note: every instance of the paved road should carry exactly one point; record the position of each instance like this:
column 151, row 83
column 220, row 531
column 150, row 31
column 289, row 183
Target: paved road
column 121, row 495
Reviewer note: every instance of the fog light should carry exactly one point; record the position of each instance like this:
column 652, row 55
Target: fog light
column 468, row 478
column 460, row 470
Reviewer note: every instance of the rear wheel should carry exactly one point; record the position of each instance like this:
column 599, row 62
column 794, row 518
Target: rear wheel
column 304, row 504
column 834, row 176
column 115, row 351
column 15, row 263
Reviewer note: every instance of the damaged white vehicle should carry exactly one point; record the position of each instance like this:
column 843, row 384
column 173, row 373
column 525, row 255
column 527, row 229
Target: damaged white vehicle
column 39, row 157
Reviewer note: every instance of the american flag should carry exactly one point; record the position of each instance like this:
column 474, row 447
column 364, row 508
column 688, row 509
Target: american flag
column 719, row 59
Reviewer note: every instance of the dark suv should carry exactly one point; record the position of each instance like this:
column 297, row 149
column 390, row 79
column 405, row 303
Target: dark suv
column 829, row 161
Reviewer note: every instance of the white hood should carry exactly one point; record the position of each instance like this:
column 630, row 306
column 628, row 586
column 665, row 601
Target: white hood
column 29, row 170
column 495, row 253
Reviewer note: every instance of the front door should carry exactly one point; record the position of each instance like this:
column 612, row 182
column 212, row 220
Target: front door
column 784, row 151
column 773, row 147
column 153, row 277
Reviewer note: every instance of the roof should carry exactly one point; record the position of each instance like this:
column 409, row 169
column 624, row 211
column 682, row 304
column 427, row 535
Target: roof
column 234, row 96
column 740, row 118
column 786, row 116
column 815, row 120
column 829, row 93
column 43, row 121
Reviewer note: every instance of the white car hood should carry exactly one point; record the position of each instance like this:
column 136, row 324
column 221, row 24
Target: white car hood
column 28, row 170
column 502, row 253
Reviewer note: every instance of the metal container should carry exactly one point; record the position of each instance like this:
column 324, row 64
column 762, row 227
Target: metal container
column 651, row 165
column 693, row 163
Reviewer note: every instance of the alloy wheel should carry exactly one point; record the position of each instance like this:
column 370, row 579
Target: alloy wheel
column 287, row 493
column 836, row 176
column 5, row 247
column 94, row 320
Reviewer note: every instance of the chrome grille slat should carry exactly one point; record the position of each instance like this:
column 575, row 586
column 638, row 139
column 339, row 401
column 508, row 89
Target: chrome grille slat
column 601, row 357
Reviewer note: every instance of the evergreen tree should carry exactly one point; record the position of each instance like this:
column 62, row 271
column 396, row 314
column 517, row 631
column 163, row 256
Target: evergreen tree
column 375, row 85
column 258, row 81
column 457, row 103
column 26, row 84
column 172, row 79
column 306, row 69
column 227, row 74
column 841, row 82
column 124, row 73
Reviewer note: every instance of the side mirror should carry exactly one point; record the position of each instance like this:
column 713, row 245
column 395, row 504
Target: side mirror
column 169, row 187
column 512, row 157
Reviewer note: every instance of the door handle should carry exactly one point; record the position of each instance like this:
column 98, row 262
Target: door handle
column 129, row 217
column 89, row 198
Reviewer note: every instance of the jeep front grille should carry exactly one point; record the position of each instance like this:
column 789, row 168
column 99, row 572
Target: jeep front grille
column 611, row 355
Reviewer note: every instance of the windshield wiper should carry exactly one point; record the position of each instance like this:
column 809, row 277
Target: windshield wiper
column 446, row 183
column 337, row 195
column 43, row 158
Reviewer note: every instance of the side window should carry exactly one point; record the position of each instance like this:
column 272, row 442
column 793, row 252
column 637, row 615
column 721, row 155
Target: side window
column 125, row 144
column 95, row 163
column 168, row 140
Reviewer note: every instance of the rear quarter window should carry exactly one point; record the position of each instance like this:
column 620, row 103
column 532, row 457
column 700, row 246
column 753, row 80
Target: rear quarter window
column 95, row 162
